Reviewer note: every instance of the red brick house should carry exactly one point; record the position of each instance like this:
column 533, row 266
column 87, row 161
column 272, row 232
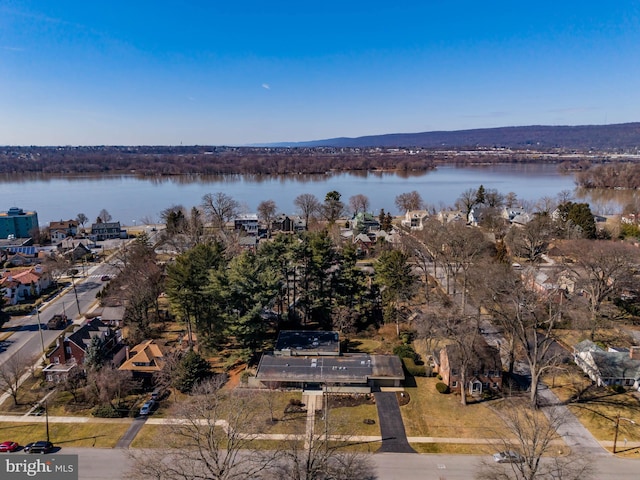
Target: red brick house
column 71, row 349
column 483, row 374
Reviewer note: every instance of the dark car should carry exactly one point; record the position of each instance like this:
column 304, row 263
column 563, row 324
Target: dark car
column 41, row 446
column 8, row 446
column 105, row 278
column 57, row 322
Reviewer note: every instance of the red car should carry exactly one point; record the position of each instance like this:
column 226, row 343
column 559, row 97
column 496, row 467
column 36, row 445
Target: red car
column 8, row 446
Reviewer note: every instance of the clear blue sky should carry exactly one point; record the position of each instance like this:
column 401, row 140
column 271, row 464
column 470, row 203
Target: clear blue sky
column 239, row 72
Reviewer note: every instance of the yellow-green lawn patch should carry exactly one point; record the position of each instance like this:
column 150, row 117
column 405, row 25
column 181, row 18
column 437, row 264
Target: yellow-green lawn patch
column 432, row 414
column 65, row 434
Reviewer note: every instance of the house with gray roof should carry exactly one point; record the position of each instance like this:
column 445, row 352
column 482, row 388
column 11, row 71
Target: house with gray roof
column 606, row 368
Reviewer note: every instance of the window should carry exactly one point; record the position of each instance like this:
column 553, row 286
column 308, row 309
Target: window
column 68, row 350
column 454, row 371
column 56, row 360
column 454, row 384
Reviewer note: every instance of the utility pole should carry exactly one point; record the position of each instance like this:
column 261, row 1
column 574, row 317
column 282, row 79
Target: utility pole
column 40, row 330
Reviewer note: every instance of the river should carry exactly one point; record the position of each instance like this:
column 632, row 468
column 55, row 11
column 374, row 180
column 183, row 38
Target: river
column 134, row 200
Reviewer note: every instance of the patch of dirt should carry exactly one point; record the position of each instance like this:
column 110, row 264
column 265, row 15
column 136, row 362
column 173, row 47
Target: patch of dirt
column 403, row 398
column 234, row 376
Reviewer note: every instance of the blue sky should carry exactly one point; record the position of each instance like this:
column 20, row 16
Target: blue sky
column 217, row 72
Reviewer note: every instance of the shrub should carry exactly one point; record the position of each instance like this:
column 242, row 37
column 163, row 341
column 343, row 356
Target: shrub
column 439, row 377
column 442, row 387
column 106, row 411
column 413, row 369
column 405, row 351
column 617, row 388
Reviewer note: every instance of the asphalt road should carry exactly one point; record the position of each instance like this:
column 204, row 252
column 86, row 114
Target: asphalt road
column 25, row 336
column 31, row 340
column 112, row 464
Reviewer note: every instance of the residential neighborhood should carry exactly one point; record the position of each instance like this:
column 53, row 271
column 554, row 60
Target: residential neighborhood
column 333, row 311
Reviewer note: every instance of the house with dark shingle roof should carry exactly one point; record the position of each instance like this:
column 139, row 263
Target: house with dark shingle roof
column 71, row 348
column 612, row 367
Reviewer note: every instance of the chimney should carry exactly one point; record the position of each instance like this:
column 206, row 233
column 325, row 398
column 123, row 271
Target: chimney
column 634, row 353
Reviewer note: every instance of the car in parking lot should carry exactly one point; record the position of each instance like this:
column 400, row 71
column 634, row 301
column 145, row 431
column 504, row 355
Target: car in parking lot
column 41, row 446
column 508, row 456
column 147, row 408
column 8, row 446
column 105, row 278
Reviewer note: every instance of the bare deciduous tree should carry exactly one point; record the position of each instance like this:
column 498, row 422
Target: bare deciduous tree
column 213, row 436
column 358, row 203
column 11, row 371
column 104, row 216
column 266, row 213
column 308, row 205
column 405, row 202
column 322, row 454
column 466, row 201
column 533, row 434
column 602, row 268
column 463, row 332
column 219, row 208
column 81, row 218
column 531, row 241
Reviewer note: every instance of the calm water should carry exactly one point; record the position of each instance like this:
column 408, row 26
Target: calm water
column 132, row 200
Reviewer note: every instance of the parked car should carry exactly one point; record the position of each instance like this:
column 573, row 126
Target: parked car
column 508, row 457
column 147, row 408
column 40, row 446
column 105, row 278
column 8, row 446
column 57, row 322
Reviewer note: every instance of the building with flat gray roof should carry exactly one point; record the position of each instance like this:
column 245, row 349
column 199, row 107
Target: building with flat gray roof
column 312, row 360
column 303, row 342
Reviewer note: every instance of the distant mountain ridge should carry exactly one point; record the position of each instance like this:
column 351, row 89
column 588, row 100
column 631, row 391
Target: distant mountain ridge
column 581, row 137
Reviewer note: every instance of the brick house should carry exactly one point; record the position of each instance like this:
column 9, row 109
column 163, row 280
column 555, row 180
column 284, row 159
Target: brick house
column 483, row 374
column 71, row 349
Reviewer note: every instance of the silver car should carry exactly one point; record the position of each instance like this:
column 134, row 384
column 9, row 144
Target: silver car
column 508, row 456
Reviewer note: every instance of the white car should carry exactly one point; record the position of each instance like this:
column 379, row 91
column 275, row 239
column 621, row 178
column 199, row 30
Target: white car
column 508, row 457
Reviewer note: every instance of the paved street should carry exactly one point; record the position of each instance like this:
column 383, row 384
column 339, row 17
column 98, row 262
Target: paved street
column 112, row 464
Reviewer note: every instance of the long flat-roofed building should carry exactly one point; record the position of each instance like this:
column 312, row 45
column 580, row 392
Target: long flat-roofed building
column 312, row 360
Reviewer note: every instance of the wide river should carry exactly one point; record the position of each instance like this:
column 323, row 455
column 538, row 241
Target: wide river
column 134, row 200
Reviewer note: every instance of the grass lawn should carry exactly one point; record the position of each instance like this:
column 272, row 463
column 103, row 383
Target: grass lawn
column 65, row 434
column 364, row 345
column 598, row 407
column 350, row 421
column 432, row 414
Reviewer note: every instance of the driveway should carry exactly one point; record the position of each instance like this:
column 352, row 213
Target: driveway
column 394, row 437
column 130, row 434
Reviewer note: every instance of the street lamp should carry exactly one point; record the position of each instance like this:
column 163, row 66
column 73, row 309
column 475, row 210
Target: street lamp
column 615, row 438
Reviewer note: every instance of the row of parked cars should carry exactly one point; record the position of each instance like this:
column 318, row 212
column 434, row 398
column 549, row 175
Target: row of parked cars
column 41, row 446
column 150, row 405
